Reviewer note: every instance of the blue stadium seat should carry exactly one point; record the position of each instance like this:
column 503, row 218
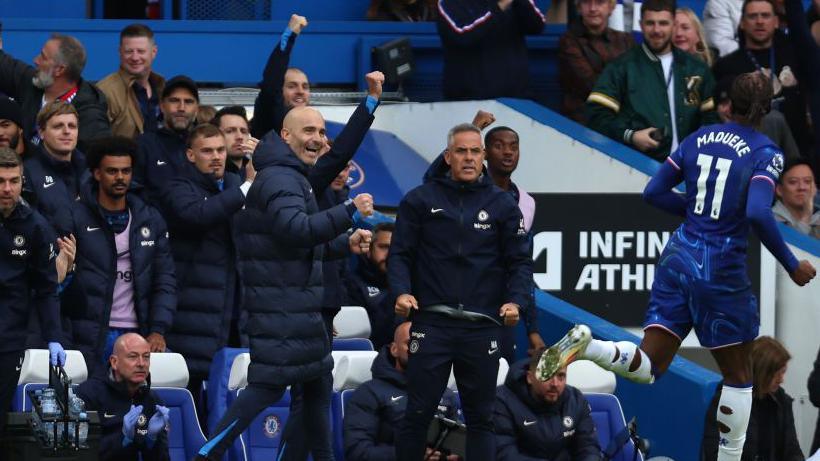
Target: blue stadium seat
column 609, row 420
column 185, row 437
column 218, row 383
column 352, row 344
column 35, row 369
column 262, row 438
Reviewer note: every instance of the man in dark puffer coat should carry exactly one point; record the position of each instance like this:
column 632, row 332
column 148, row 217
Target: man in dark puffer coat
column 200, row 207
column 284, row 240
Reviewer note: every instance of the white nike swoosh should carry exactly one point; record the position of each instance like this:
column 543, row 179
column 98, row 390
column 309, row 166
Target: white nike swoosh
column 160, row 163
column 46, row 186
column 91, row 229
column 436, row 210
column 394, row 399
column 492, row 351
column 106, row 415
column 18, row 368
column 529, row 423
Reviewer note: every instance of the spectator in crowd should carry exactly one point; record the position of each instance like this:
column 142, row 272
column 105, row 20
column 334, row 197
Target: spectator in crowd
column 161, row 153
column 376, row 408
column 773, row 125
column 763, row 48
column 537, row 419
column 402, row 10
column 502, row 146
column 457, row 318
column 200, row 207
column 654, row 95
column 56, row 171
column 807, row 48
column 586, row 47
column 367, row 286
column 124, row 281
column 11, row 128
column 282, row 87
column 233, row 121
column 721, row 19
column 771, row 434
column 690, row 37
column 28, row 277
column 205, row 114
column 283, row 232
column 133, row 91
column 56, row 77
column 123, row 395
column 485, row 55
column 795, row 199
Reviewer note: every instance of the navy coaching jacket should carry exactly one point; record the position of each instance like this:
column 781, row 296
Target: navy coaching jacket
column 527, row 429
column 28, row 277
column 52, row 186
column 88, row 299
column 460, row 244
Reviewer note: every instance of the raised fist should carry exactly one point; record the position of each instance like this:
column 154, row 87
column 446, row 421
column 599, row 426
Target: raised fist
column 375, row 80
column 297, row 23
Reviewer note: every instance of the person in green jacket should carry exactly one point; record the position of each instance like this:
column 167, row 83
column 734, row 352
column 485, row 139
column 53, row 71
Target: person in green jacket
column 635, row 95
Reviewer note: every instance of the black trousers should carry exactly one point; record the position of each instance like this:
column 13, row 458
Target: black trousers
column 10, row 363
column 473, row 353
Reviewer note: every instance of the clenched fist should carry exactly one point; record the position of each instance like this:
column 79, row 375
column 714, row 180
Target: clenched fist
column 374, row 80
column 364, row 203
column 297, row 23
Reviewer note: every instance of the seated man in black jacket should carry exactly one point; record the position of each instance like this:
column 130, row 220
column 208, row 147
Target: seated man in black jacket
column 122, row 398
column 542, row 419
column 376, row 408
column 367, row 286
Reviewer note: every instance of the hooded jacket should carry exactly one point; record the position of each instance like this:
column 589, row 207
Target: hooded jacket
column 112, row 401
column 201, row 226
column 375, row 411
column 15, row 81
column 88, row 299
column 460, row 244
column 28, row 277
column 530, row 430
column 52, row 186
column 782, row 214
column 281, row 248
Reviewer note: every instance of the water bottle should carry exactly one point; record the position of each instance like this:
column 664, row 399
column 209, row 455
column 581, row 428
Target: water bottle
column 83, row 435
column 48, row 404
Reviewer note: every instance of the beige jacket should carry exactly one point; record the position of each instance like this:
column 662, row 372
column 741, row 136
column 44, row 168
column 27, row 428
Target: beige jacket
column 123, row 108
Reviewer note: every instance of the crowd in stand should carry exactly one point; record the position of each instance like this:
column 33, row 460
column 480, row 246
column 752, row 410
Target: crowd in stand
column 197, row 231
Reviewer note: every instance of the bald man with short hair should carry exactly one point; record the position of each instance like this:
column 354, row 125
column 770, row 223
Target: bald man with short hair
column 284, row 239
column 121, row 397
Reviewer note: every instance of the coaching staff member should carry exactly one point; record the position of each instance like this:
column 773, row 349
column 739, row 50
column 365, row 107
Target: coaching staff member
column 28, row 278
column 459, row 262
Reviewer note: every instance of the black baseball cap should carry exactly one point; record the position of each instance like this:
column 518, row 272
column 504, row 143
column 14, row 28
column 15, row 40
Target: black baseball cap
column 10, row 110
column 180, row 81
column 722, row 89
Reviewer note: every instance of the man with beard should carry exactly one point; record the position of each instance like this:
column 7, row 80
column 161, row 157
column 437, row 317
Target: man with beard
column 56, row 77
column 233, row 122
column 133, row 91
column 56, row 170
column 542, row 419
column 282, row 88
column 654, row 95
column 11, row 128
column 367, row 286
column 28, row 278
column 501, row 144
column 124, row 280
column 161, row 153
column 765, row 49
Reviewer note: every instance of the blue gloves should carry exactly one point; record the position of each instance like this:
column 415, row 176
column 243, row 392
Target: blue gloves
column 129, row 424
column 56, row 354
column 157, row 423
